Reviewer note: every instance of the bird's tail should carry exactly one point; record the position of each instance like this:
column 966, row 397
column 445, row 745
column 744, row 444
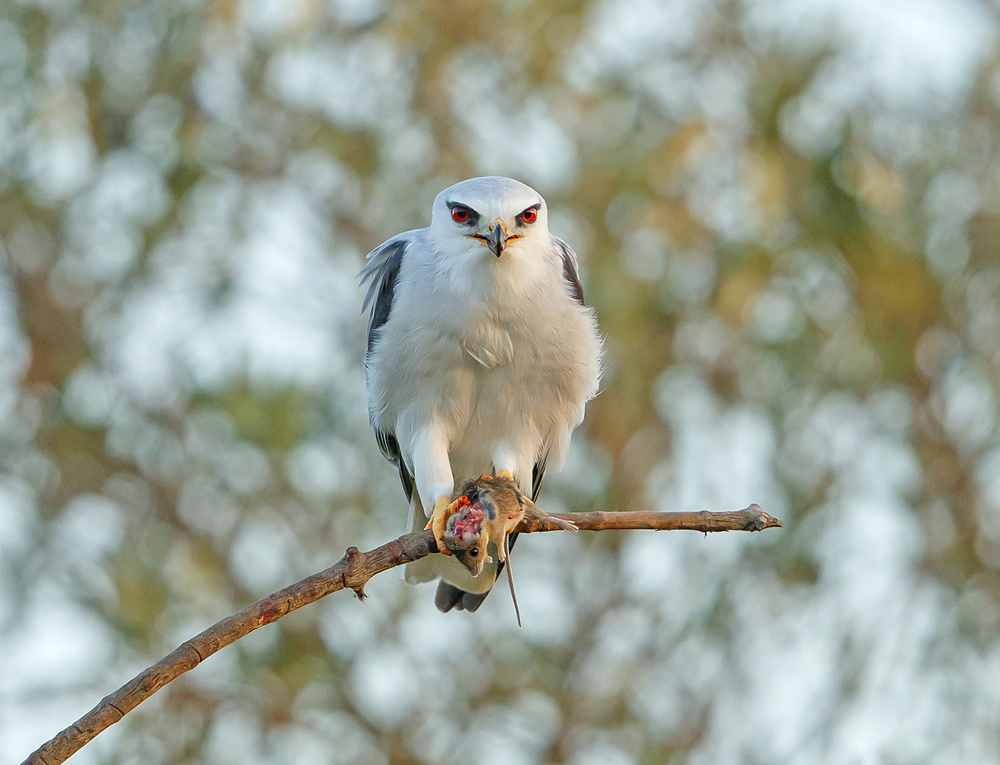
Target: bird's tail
column 448, row 596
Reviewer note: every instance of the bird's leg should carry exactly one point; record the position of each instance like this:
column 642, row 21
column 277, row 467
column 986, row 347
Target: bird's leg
column 439, row 515
column 506, row 475
column 432, row 474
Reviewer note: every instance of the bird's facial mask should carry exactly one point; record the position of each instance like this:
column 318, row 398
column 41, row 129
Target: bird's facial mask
column 464, row 533
column 499, row 232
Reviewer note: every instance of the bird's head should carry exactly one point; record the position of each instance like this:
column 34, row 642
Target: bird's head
column 492, row 216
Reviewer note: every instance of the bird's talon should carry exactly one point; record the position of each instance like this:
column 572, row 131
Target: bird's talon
column 439, row 516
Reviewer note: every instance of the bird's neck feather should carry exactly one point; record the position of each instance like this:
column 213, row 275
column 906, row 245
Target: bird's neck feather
column 486, row 279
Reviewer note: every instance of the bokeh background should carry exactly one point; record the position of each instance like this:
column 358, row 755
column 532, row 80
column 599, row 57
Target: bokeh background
column 788, row 217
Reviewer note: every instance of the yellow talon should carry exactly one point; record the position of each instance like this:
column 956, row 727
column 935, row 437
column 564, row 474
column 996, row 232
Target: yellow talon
column 436, row 523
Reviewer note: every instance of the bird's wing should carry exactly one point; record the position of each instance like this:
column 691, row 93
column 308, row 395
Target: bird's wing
column 381, row 272
column 571, row 278
column 571, row 272
column 537, row 474
column 389, row 447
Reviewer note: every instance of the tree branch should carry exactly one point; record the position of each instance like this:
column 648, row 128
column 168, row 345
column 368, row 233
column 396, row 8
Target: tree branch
column 351, row 572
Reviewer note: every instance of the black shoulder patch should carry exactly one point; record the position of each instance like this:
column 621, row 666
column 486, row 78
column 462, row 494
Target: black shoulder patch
column 570, row 273
column 386, row 291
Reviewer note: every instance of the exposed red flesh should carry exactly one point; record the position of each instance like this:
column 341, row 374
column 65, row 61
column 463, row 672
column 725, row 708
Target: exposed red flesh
column 468, row 521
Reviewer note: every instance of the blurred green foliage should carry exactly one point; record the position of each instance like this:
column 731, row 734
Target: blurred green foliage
column 792, row 251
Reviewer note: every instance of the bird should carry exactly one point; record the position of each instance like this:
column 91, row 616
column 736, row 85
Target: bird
column 481, row 357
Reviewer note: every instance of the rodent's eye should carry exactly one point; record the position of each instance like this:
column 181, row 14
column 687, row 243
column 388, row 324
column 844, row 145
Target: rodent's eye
column 474, row 552
column 461, row 214
column 529, row 216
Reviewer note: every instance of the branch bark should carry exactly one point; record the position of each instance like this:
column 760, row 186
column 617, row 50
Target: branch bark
column 351, row 572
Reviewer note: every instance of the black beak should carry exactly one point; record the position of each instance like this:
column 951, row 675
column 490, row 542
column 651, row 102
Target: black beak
column 496, row 241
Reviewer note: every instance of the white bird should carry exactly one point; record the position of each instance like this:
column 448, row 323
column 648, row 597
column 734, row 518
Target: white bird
column 481, row 356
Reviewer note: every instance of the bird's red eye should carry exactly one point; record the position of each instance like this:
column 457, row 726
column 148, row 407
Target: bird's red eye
column 460, row 214
column 529, row 215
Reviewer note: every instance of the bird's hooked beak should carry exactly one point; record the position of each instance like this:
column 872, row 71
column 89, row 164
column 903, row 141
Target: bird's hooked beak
column 497, row 240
